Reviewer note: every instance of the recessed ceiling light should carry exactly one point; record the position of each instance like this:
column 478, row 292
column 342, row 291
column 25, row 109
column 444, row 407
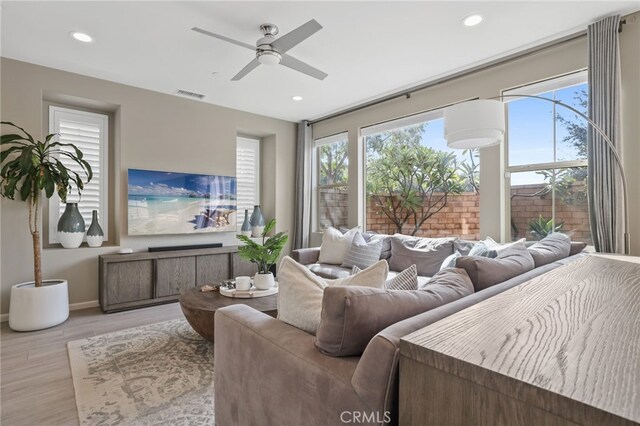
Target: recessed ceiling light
column 296, row 98
column 472, row 20
column 85, row 38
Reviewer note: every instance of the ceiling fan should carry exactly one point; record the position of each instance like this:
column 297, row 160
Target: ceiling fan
column 272, row 51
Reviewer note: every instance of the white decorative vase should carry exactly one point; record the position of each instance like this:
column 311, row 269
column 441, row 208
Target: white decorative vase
column 263, row 281
column 34, row 308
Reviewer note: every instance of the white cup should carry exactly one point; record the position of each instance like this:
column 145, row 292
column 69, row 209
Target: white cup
column 243, row 283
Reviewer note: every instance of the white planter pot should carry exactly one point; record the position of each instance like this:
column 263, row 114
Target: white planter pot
column 34, row 308
column 263, row 281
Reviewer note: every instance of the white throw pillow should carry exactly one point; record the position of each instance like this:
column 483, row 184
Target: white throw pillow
column 300, row 291
column 335, row 245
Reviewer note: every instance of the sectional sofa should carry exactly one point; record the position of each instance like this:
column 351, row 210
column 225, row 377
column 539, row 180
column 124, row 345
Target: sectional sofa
column 268, row 372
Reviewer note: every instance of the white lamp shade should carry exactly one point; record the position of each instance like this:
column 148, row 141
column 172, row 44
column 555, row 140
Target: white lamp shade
column 474, row 124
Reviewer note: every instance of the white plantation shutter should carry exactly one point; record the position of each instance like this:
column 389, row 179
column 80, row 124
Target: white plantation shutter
column 89, row 132
column 247, row 175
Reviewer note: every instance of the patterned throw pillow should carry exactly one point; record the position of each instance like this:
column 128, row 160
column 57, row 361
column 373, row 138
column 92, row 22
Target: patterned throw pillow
column 361, row 253
column 405, row 280
column 450, row 261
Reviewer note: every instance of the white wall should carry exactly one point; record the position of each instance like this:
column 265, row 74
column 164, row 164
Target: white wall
column 152, row 131
column 554, row 61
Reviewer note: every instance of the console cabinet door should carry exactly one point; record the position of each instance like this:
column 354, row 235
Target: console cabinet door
column 175, row 275
column 243, row 267
column 129, row 281
column 212, row 268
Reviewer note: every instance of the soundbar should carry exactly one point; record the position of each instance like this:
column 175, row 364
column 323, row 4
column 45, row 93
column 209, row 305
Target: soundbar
column 189, row 247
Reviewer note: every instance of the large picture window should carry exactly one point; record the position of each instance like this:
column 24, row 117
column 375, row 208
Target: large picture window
column 415, row 184
column 546, row 154
column 331, row 181
column 89, row 132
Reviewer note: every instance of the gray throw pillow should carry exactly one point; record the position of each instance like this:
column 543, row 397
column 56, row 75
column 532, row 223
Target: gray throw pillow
column 553, row 247
column 485, row 272
column 361, row 253
column 352, row 316
column 405, row 280
column 426, row 253
column 577, row 247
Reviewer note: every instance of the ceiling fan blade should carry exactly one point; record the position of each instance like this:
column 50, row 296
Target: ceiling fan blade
column 227, row 39
column 295, row 64
column 296, row 36
column 246, row 70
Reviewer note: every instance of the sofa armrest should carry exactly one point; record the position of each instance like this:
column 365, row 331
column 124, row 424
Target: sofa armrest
column 268, row 372
column 306, row 256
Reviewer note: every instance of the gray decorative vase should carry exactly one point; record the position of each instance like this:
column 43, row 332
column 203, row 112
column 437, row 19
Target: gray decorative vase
column 246, row 225
column 257, row 222
column 71, row 227
column 95, row 236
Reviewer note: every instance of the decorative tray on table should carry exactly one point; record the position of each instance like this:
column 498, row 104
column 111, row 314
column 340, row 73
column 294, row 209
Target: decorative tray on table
column 228, row 289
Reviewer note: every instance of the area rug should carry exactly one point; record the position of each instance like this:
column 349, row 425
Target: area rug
column 158, row 374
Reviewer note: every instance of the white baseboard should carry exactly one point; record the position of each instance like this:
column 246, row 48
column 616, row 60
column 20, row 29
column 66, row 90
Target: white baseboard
column 72, row 307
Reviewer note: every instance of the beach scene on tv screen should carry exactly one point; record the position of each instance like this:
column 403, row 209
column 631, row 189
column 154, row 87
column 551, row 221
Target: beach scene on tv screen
column 180, row 203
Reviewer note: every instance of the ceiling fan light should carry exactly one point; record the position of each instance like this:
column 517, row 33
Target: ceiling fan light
column 267, row 57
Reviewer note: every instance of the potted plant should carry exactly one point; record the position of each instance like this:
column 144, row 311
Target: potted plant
column 264, row 255
column 31, row 169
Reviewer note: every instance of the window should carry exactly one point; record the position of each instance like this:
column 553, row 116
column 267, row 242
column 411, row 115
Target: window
column 546, row 156
column 331, row 181
column 247, row 175
column 89, row 132
column 415, row 184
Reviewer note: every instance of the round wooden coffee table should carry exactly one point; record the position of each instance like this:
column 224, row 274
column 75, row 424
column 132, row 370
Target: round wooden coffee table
column 200, row 308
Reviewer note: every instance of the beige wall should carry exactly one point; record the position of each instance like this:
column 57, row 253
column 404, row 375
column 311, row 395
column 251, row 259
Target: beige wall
column 151, row 131
column 550, row 62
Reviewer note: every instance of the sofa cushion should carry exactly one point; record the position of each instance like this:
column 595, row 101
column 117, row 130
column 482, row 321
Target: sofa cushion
column 300, row 291
column 361, row 253
column 352, row 316
column 463, row 246
column 335, row 245
column 576, row 247
column 330, row 272
column 553, row 247
column 485, row 272
column 426, row 253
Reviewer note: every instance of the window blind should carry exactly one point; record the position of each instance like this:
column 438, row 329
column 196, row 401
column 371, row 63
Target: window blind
column 88, row 132
column 247, row 175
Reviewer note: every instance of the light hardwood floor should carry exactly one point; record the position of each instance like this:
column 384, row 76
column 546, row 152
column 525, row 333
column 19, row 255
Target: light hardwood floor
column 36, row 387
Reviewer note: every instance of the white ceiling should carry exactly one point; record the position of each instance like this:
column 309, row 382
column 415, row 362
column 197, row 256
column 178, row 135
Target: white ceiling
column 368, row 48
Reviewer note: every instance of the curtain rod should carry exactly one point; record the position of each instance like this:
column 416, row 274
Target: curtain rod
column 407, row 92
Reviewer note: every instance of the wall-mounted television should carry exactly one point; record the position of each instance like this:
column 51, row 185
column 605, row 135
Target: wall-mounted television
column 180, row 203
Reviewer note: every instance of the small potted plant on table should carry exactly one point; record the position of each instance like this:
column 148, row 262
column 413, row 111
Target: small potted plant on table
column 31, row 169
column 264, row 255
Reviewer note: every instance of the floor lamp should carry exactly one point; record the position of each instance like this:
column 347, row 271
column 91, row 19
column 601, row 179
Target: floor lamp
column 480, row 123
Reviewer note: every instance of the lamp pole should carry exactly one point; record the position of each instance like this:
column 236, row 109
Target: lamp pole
column 611, row 147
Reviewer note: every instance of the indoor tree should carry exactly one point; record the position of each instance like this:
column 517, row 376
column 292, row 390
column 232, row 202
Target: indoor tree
column 30, row 169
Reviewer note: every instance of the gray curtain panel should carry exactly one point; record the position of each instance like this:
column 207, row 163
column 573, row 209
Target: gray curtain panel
column 302, row 217
column 604, row 185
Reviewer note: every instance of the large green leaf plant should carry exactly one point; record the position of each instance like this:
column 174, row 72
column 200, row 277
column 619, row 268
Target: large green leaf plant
column 264, row 255
column 30, row 169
